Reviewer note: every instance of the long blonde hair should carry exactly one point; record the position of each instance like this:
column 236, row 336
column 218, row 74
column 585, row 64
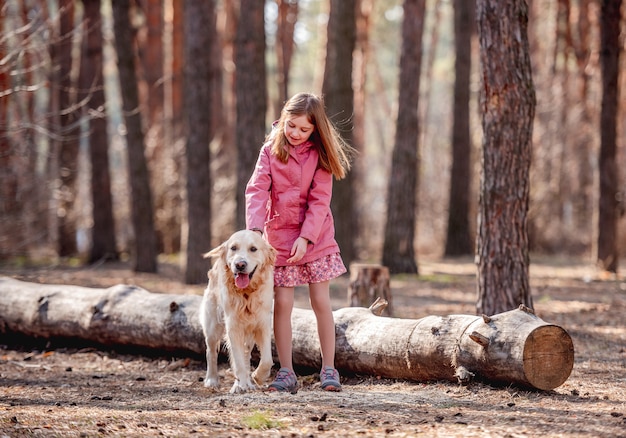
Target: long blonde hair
column 334, row 152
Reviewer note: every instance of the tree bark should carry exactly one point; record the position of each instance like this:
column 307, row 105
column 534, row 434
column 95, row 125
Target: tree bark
column 360, row 81
column 68, row 135
column 508, row 108
column 152, row 43
column 103, row 245
column 285, row 27
column 609, row 208
column 172, row 132
column 145, row 243
column 514, row 347
column 398, row 247
column 251, row 95
column 339, row 101
column 199, row 36
column 20, row 184
column 9, row 207
column 459, row 237
column 152, row 60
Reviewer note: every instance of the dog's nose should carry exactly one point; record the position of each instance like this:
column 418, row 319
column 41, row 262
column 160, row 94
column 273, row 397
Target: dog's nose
column 241, row 265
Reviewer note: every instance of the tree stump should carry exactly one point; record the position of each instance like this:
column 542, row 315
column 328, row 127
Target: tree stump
column 367, row 283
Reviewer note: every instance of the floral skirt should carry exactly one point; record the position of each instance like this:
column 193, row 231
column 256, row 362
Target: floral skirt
column 317, row 271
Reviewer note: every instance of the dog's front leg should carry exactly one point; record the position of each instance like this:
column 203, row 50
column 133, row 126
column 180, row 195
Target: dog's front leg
column 239, row 361
column 213, row 330
column 263, row 341
column 211, row 380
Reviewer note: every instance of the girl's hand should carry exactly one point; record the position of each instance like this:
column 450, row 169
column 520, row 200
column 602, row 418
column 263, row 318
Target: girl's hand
column 298, row 250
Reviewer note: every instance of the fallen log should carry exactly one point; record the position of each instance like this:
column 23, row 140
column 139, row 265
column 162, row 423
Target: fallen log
column 122, row 315
column 513, row 347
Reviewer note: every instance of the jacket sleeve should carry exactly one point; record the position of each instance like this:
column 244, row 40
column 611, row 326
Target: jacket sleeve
column 318, row 202
column 258, row 191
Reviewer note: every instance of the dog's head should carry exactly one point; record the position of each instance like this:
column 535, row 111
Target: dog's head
column 244, row 254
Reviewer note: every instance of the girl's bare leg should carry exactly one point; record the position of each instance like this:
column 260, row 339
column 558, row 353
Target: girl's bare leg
column 319, row 295
column 283, row 305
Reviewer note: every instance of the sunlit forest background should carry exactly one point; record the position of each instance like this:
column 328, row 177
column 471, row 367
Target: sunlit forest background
column 564, row 40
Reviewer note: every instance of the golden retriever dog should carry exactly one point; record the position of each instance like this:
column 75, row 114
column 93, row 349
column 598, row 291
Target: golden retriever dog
column 237, row 303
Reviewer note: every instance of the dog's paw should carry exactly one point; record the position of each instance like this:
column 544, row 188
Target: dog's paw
column 211, row 382
column 260, row 376
column 239, row 387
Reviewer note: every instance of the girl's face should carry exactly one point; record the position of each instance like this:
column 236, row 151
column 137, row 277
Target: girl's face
column 298, row 129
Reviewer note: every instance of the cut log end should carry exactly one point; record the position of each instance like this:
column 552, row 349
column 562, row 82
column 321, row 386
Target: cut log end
column 548, row 357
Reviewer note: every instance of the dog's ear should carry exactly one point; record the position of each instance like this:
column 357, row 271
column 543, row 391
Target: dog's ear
column 218, row 251
column 271, row 254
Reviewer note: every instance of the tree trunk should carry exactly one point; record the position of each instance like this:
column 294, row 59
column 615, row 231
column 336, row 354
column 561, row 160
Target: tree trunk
column 609, row 207
column 152, row 60
column 92, row 88
column 9, row 207
column 339, row 102
column 199, row 36
column 361, row 65
column 285, row 26
column 251, row 95
column 426, row 77
column 398, row 247
column 584, row 141
column 151, row 41
column 68, row 135
column 514, row 347
column 18, row 150
column 508, row 108
column 172, row 124
column 459, row 238
column 145, row 244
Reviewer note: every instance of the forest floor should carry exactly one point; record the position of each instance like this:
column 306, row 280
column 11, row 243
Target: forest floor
column 59, row 390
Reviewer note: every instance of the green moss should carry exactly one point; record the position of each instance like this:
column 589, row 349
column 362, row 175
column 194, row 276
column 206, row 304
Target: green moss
column 261, row 421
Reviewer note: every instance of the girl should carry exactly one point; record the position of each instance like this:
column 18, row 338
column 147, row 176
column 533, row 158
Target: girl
column 288, row 197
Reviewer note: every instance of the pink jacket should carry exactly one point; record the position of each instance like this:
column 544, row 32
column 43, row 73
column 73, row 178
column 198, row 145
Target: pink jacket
column 292, row 200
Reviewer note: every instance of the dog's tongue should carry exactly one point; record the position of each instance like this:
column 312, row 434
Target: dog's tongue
column 242, row 280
